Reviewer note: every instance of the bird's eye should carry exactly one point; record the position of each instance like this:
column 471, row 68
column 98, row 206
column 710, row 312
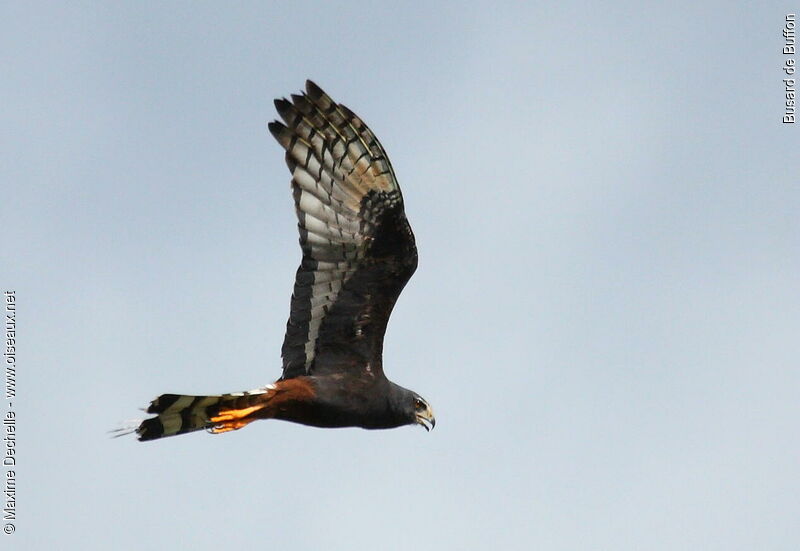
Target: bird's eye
column 419, row 404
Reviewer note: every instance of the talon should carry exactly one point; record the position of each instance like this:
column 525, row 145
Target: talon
column 227, row 427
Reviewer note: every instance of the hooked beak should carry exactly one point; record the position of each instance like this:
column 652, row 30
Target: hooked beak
column 426, row 419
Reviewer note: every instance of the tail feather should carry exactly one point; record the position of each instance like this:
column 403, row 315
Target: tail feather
column 179, row 413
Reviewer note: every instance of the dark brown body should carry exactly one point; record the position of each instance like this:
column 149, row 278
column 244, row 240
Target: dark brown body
column 333, row 401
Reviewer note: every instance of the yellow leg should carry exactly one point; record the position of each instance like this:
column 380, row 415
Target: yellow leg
column 234, row 414
column 232, row 419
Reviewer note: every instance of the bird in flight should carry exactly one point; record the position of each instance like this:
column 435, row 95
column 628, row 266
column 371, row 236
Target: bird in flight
column 358, row 254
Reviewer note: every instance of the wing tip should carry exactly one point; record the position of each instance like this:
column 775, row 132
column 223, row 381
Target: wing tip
column 281, row 103
column 313, row 89
column 287, row 111
column 277, row 129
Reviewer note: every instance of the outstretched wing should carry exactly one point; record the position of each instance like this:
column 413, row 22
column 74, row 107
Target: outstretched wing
column 358, row 248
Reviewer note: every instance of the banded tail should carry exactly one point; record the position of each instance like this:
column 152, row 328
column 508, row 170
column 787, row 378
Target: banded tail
column 179, row 414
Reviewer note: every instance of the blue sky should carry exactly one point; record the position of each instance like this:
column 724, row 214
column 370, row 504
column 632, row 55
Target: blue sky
column 605, row 315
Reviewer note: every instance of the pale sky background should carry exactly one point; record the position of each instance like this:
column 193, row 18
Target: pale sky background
column 606, row 315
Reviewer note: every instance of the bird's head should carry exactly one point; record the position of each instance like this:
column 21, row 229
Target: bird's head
column 409, row 408
column 423, row 414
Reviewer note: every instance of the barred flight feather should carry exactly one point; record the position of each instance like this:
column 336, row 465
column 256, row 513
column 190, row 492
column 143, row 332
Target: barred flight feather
column 343, row 186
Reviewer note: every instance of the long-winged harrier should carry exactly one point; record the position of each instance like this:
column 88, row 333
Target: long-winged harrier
column 358, row 254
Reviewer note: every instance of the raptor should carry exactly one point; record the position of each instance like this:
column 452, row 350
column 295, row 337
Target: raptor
column 358, row 254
